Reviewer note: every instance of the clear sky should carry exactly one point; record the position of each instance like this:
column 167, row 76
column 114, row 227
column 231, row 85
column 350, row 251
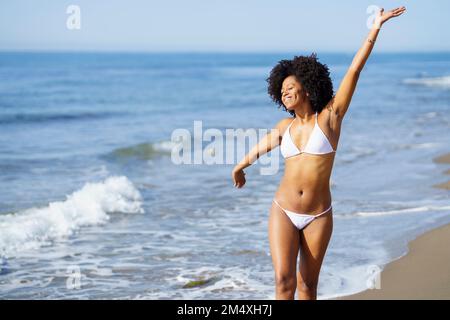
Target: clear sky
column 226, row 25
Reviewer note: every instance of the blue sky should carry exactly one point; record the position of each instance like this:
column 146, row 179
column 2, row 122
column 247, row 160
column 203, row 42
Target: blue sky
column 213, row 25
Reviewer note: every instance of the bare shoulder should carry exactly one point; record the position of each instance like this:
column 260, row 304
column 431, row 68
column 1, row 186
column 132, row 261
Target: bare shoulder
column 282, row 125
column 329, row 117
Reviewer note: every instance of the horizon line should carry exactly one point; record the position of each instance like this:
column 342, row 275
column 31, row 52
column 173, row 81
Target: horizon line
column 114, row 51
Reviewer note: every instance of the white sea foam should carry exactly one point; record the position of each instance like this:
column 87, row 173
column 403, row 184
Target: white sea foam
column 347, row 281
column 166, row 146
column 34, row 227
column 356, row 153
column 425, row 145
column 400, row 211
column 439, row 82
column 237, row 281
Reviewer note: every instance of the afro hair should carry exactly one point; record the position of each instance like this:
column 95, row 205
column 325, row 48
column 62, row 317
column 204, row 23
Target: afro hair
column 313, row 76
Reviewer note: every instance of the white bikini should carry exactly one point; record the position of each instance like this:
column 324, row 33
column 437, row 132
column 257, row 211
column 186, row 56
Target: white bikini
column 317, row 144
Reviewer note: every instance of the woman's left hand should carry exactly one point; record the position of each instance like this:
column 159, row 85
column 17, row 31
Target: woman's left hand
column 382, row 16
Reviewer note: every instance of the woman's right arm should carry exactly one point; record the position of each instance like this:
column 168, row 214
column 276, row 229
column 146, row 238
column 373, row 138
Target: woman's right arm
column 266, row 144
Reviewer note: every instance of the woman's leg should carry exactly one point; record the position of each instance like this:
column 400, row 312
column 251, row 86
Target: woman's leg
column 314, row 241
column 284, row 241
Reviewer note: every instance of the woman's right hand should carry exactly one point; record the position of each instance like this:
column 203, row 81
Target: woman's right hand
column 238, row 176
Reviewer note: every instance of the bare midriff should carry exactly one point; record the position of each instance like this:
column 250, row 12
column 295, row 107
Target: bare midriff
column 305, row 186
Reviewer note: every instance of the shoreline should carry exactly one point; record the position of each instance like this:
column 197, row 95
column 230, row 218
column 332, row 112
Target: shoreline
column 424, row 271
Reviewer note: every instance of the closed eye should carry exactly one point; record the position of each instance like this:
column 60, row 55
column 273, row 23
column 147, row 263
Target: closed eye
column 282, row 92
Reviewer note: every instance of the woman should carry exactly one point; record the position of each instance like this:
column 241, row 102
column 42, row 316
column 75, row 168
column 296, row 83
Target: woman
column 301, row 213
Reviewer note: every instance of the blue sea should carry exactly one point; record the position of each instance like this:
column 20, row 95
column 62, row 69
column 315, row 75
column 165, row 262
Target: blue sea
column 93, row 207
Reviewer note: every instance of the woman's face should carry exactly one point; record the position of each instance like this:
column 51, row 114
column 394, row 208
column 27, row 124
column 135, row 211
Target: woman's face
column 292, row 93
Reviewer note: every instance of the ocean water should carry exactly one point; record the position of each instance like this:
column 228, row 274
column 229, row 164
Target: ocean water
column 93, row 207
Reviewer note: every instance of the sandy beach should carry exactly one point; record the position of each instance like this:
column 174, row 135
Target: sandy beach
column 424, row 272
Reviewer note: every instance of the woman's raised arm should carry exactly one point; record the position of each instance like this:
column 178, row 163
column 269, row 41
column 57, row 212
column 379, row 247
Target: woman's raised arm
column 341, row 100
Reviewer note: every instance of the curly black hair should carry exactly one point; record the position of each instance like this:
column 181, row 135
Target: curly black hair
column 313, row 76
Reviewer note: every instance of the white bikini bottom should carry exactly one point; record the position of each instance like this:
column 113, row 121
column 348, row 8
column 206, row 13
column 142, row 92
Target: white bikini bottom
column 298, row 219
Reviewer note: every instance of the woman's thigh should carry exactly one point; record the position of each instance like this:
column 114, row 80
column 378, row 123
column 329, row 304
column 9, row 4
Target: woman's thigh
column 284, row 239
column 314, row 241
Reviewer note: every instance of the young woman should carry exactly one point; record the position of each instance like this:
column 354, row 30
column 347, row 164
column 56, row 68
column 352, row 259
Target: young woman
column 301, row 214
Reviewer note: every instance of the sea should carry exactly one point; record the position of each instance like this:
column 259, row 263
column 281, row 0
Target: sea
column 95, row 204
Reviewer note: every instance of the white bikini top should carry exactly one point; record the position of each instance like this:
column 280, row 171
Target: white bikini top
column 317, row 143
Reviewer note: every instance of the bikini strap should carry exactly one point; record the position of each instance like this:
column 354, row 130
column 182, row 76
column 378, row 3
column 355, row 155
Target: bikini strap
column 322, row 213
column 290, row 124
column 276, row 202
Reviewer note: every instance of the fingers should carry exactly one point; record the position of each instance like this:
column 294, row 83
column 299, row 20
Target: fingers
column 238, row 178
column 398, row 11
column 391, row 13
column 399, row 8
column 239, row 184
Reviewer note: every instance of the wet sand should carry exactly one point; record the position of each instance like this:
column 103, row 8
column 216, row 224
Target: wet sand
column 424, row 272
